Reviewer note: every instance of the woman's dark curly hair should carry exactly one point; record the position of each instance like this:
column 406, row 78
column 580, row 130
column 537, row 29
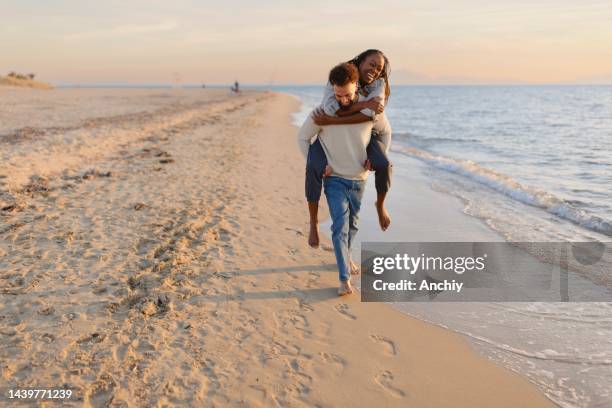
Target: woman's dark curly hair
column 386, row 71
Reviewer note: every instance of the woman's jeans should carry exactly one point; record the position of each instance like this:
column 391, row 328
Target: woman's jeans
column 317, row 161
column 344, row 201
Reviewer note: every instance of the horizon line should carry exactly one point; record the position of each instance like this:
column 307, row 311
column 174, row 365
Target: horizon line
column 61, row 84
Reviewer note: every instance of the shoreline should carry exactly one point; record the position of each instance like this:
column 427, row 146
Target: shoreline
column 422, row 211
column 211, row 295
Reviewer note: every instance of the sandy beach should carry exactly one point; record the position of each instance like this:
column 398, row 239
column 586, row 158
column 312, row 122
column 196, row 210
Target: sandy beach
column 153, row 253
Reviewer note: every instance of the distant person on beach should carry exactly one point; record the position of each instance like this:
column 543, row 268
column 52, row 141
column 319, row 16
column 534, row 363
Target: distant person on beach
column 346, row 151
column 236, row 88
column 373, row 87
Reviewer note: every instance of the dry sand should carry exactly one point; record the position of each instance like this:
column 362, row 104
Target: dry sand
column 158, row 257
column 23, row 83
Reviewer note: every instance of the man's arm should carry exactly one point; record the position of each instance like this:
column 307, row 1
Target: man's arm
column 322, row 119
column 331, row 107
column 383, row 127
column 308, row 130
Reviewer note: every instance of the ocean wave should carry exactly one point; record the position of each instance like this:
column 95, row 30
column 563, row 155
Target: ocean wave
column 427, row 143
column 511, row 188
column 546, row 354
column 421, row 139
column 554, row 314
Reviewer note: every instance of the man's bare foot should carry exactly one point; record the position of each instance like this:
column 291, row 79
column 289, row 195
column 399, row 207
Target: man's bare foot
column 313, row 236
column 355, row 270
column 345, row 288
column 383, row 216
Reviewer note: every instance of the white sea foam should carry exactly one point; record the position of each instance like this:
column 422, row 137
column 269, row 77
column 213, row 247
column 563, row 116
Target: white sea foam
column 508, row 186
column 570, row 359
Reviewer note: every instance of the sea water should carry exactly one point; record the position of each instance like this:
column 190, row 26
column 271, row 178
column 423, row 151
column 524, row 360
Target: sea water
column 535, row 164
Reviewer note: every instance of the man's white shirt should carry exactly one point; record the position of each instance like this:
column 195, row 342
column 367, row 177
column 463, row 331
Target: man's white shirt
column 345, row 145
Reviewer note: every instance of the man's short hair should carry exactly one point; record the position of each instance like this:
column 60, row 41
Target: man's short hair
column 343, row 74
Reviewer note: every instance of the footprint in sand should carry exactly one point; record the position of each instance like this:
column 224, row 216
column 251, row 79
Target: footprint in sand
column 388, row 344
column 92, row 338
column 139, row 206
column 333, row 359
column 344, row 310
column 49, row 310
column 306, row 307
column 385, row 380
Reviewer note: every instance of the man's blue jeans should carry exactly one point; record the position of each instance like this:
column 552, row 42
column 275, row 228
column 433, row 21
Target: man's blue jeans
column 344, row 201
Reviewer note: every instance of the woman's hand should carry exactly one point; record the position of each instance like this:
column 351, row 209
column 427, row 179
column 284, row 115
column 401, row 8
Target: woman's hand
column 376, row 105
column 321, row 118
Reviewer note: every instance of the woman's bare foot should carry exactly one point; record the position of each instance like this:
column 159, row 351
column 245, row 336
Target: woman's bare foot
column 383, row 216
column 313, row 236
column 355, row 270
column 345, row 288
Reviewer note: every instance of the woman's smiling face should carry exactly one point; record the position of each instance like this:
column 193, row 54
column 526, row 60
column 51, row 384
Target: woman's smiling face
column 371, row 68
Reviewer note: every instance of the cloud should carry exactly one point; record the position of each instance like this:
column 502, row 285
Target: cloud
column 123, row 30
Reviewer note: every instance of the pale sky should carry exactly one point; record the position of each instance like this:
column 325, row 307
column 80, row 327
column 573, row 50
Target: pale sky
column 435, row 41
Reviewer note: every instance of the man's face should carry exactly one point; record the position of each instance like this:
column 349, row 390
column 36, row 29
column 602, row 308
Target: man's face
column 345, row 94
